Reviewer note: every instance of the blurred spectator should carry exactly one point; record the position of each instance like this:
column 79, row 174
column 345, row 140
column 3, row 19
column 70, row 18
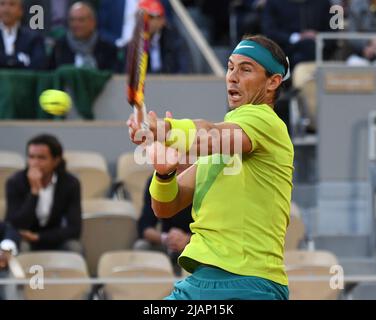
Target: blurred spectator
column 170, row 237
column 19, row 47
column 362, row 18
column 293, row 24
column 82, row 46
column 9, row 241
column 168, row 51
column 44, row 201
column 117, row 20
column 55, row 15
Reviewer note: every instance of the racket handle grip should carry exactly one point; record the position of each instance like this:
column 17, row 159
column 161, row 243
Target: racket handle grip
column 141, row 116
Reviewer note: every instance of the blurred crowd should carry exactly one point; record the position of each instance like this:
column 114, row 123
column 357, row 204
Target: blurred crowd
column 92, row 34
column 293, row 24
column 95, row 33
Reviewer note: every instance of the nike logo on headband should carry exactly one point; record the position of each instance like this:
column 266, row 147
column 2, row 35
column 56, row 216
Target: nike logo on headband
column 241, row 47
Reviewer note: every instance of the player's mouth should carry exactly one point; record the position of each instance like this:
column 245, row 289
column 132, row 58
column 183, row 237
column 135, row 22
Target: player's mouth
column 234, row 95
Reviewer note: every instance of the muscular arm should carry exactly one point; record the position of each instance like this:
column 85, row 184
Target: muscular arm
column 186, row 183
column 211, row 138
column 224, row 138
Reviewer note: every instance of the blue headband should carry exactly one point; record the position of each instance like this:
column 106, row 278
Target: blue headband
column 261, row 55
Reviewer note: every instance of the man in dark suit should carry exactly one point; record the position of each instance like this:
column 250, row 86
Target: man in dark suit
column 20, row 47
column 43, row 201
column 82, row 46
column 168, row 52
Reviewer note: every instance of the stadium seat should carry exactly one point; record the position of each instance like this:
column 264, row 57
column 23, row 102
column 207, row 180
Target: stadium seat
column 301, row 263
column 90, row 206
column 10, row 162
column 92, row 171
column 56, row 265
column 295, row 230
column 136, row 264
column 304, row 80
column 107, row 231
column 133, row 178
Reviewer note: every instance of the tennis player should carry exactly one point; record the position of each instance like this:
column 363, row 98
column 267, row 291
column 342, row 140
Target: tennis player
column 240, row 219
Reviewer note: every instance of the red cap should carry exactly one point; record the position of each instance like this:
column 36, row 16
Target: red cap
column 152, row 7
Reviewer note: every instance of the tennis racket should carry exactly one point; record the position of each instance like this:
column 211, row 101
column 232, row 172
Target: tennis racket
column 137, row 62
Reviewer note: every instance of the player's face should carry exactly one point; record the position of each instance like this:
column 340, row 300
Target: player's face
column 39, row 156
column 246, row 81
column 10, row 12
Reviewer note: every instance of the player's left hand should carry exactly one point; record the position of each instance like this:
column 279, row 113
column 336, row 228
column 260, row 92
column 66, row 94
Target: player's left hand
column 157, row 129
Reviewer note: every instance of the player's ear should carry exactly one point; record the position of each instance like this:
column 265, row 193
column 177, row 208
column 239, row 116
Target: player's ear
column 274, row 82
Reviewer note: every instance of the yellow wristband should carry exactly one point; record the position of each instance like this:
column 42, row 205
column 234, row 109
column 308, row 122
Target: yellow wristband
column 182, row 134
column 163, row 191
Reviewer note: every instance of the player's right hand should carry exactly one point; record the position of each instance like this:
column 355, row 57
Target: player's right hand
column 159, row 127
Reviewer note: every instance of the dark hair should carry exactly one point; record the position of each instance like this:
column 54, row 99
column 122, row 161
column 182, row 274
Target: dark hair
column 276, row 52
column 88, row 5
column 54, row 145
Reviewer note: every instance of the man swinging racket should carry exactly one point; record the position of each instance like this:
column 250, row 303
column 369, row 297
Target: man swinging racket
column 240, row 220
